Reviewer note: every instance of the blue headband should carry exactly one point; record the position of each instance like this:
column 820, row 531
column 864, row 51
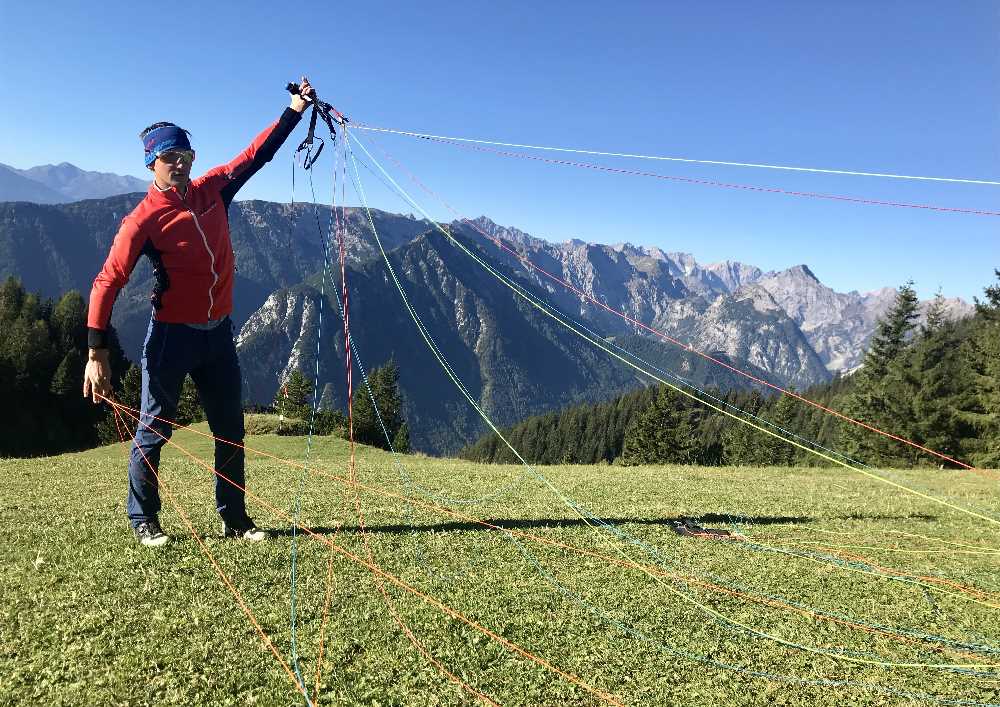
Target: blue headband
column 169, row 137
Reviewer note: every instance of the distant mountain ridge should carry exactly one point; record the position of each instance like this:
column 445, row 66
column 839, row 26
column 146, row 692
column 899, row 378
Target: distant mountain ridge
column 672, row 292
column 63, row 183
column 16, row 187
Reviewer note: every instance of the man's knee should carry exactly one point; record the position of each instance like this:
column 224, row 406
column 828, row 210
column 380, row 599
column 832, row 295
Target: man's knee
column 152, row 432
column 229, row 428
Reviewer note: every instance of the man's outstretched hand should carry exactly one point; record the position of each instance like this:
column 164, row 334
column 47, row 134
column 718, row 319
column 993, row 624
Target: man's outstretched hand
column 97, row 375
column 304, row 98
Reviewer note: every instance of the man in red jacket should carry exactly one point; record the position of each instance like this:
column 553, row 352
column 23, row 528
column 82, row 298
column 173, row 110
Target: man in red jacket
column 182, row 226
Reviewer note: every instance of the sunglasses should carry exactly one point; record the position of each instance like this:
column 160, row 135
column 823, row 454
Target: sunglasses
column 174, row 156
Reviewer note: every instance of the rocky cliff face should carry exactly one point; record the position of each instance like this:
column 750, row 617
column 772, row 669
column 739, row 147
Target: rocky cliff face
column 512, row 360
column 673, row 293
column 838, row 325
column 748, row 326
column 278, row 338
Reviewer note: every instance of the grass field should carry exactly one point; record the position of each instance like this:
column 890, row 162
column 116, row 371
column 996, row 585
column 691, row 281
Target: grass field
column 856, row 574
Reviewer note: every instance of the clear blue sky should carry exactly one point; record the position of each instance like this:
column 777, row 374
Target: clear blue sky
column 907, row 87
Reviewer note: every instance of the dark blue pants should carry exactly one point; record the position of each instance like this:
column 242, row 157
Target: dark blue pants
column 170, row 352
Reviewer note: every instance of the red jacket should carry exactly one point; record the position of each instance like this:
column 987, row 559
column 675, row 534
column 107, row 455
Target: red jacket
column 187, row 240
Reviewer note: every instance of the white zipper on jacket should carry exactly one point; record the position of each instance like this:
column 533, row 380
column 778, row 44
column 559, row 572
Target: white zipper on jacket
column 215, row 275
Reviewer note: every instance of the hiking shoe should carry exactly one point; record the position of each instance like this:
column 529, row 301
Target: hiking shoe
column 150, row 534
column 246, row 530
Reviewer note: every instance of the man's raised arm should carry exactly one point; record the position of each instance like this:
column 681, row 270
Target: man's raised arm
column 263, row 148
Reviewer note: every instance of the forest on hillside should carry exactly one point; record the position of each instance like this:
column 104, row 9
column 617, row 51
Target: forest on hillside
column 936, row 384
column 43, row 353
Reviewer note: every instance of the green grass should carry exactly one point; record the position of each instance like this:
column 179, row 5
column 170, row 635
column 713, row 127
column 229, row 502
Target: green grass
column 88, row 617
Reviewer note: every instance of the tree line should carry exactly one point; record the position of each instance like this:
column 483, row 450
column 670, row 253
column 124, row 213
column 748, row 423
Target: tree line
column 376, row 424
column 936, row 384
column 43, row 352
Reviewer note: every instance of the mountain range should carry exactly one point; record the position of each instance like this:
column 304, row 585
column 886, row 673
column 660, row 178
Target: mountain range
column 671, row 292
column 513, row 361
column 63, row 183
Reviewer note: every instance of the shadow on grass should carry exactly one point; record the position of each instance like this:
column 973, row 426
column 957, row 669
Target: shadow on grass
column 862, row 516
column 532, row 523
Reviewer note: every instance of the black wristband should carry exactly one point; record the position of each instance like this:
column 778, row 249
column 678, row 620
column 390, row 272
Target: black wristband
column 97, row 338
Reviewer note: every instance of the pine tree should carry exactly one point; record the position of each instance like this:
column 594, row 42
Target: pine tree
column 294, row 398
column 687, row 446
column 29, row 349
column 662, row 433
column 942, row 383
column 32, row 308
column 384, row 384
column 42, row 357
column 69, row 321
column 68, row 376
column 983, row 413
column 741, row 443
column 644, row 442
column 935, row 316
column 11, row 298
column 880, row 395
column 131, row 390
column 893, row 332
column 68, row 330
column 781, row 415
column 189, row 409
column 401, row 443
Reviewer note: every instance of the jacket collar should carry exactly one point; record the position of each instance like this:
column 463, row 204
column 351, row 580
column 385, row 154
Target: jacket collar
column 165, row 197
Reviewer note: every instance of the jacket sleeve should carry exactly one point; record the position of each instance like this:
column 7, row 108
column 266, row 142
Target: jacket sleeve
column 125, row 251
column 234, row 174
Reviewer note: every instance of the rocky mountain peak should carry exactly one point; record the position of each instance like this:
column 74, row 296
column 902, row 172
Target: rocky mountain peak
column 801, row 272
column 506, row 233
column 883, row 294
column 733, row 274
column 685, row 262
